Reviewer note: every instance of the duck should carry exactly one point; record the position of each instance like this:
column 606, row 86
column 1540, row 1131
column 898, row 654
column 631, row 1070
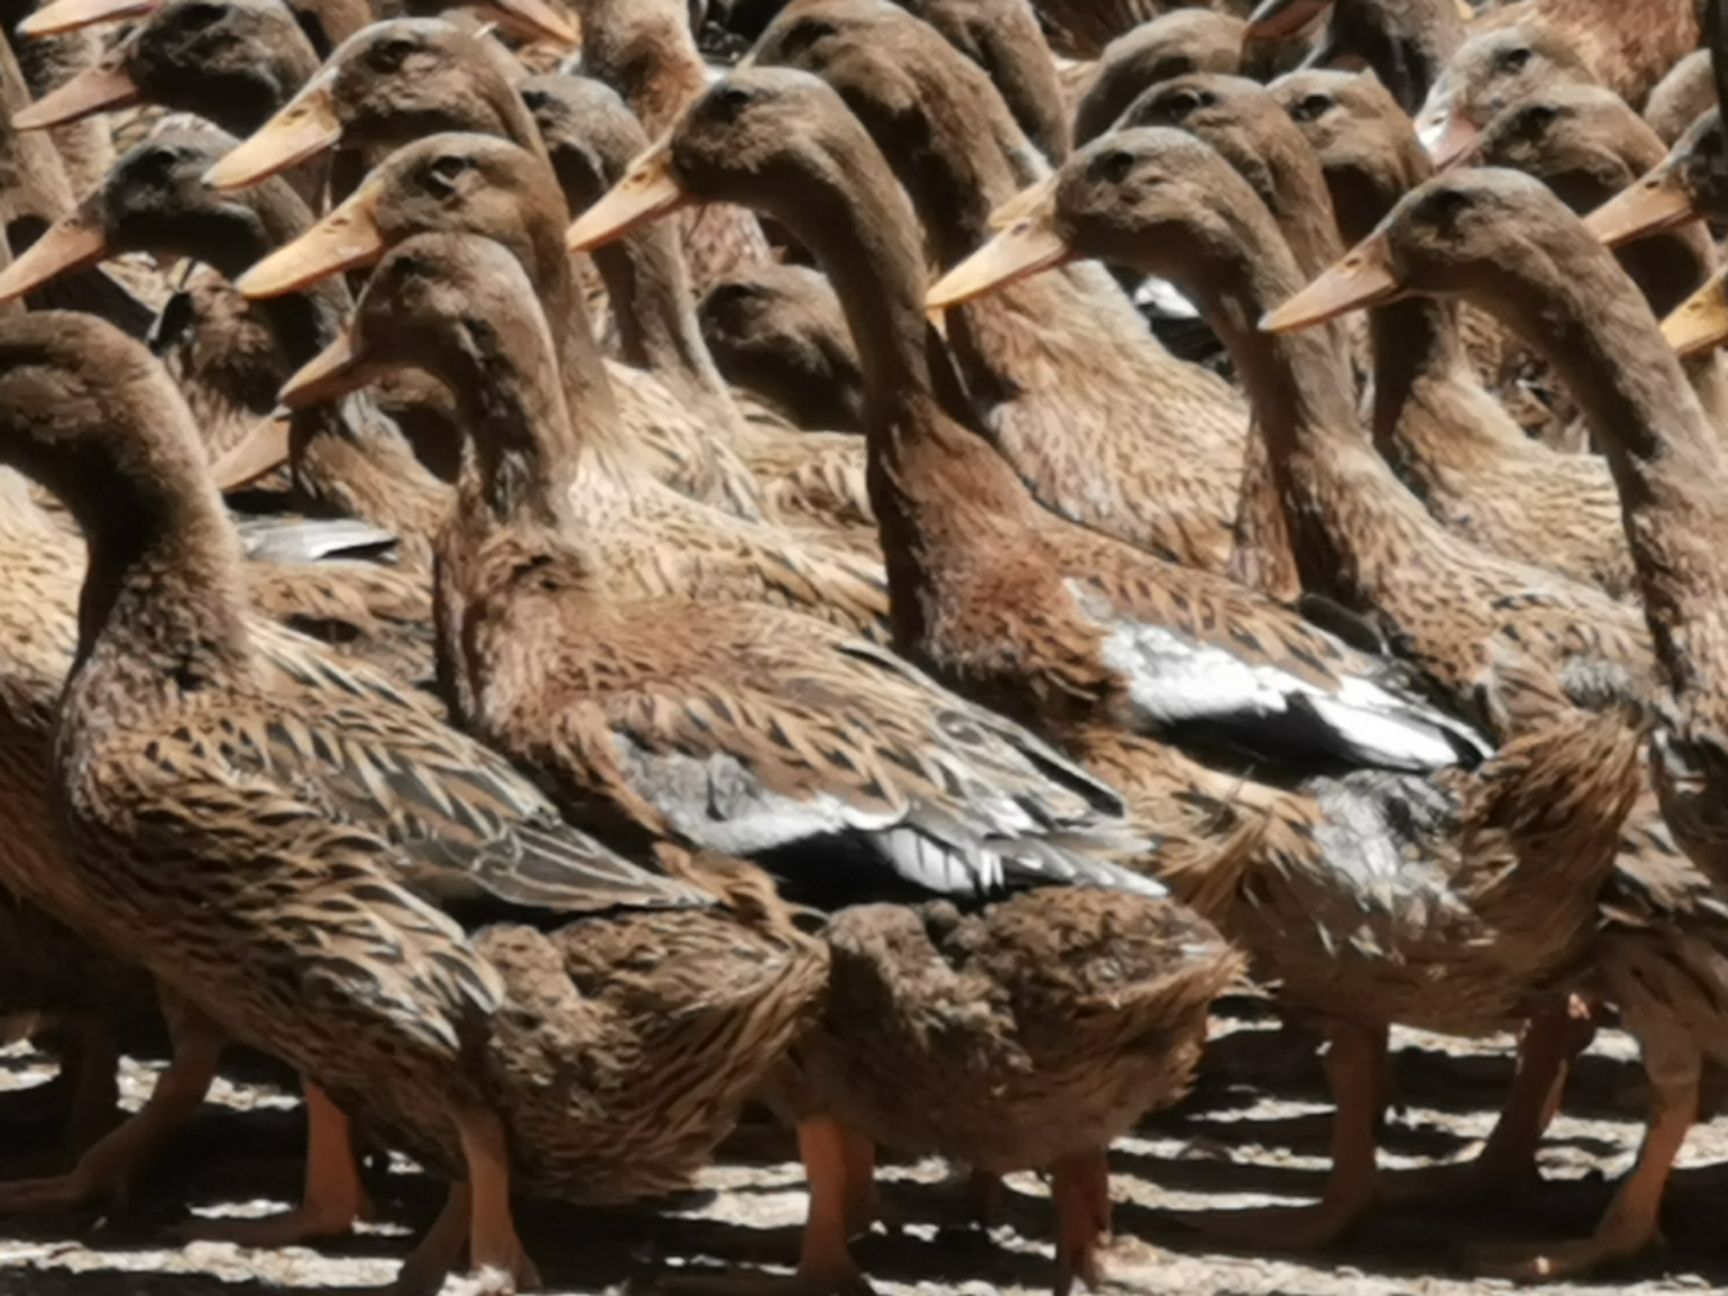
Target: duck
column 768, row 122
column 1405, row 42
column 1162, row 178
column 1154, row 455
column 1003, row 37
column 326, row 23
column 1509, row 243
column 1450, row 441
column 347, row 462
column 814, row 480
column 1687, row 185
column 828, row 747
column 1251, row 131
column 1083, row 31
column 386, row 87
column 1175, row 44
column 1087, row 585
column 402, row 1017
column 85, row 150
column 1587, row 145
column 664, row 541
column 644, row 49
column 777, row 333
column 1534, row 42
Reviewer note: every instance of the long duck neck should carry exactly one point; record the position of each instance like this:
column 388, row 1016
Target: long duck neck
column 1597, row 330
column 160, row 609
column 1343, row 507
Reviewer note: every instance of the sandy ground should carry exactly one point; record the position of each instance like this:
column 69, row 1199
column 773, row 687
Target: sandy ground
column 1254, row 1132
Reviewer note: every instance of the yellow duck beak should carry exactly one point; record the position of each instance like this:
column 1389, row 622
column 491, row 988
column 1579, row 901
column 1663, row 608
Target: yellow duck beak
column 70, row 15
column 1363, row 278
column 1655, row 204
column 74, row 241
column 346, row 239
column 1277, row 19
column 104, row 85
column 1700, row 323
column 303, row 129
column 1028, row 243
column 263, row 447
column 647, row 192
column 335, row 371
column 531, row 20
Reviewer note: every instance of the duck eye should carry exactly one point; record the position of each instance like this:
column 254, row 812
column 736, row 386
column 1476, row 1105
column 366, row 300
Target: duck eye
column 1310, row 108
column 1184, row 103
column 390, row 56
column 1113, row 167
column 726, row 101
column 1538, row 117
column 1514, row 59
column 442, row 175
column 1445, row 206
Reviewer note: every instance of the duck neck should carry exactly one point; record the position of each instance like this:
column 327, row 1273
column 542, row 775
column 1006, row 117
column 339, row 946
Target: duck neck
column 1594, row 326
column 1420, row 365
column 649, row 290
column 1340, row 498
column 160, row 608
column 527, row 452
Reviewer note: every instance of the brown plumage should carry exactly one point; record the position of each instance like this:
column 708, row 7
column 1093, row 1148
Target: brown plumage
column 778, row 332
column 1107, row 428
column 400, row 80
column 645, row 51
column 658, row 542
column 1509, row 244
column 1447, row 437
column 273, row 833
column 1405, row 43
column 807, row 479
column 1181, row 42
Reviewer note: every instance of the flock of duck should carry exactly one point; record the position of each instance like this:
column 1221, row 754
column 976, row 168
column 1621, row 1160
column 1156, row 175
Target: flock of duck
column 589, row 594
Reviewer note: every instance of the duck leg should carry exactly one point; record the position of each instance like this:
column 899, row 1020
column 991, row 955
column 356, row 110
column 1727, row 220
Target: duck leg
column 862, row 1206
column 1080, row 1188
column 1631, row 1223
column 440, row 1251
column 1507, row 1162
column 333, row 1196
column 105, row 1171
column 1353, row 1070
column 492, row 1239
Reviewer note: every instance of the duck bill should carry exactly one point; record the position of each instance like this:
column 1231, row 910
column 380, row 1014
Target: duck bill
column 647, row 192
column 531, row 20
column 346, row 239
column 1700, row 323
column 102, row 87
column 1362, row 279
column 1025, row 205
column 334, row 372
column 1657, row 204
column 1449, row 139
column 264, row 447
column 73, row 242
column 1274, row 20
column 1028, row 246
column 70, row 15
column 304, row 129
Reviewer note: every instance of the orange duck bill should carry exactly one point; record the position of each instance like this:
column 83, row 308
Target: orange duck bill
column 73, row 242
column 303, row 129
column 102, row 87
column 647, row 192
column 1656, row 204
column 346, row 239
column 1029, row 243
column 335, row 371
column 531, row 20
column 1274, row 20
column 1700, row 323
column 1363, row 278
column 70, row 15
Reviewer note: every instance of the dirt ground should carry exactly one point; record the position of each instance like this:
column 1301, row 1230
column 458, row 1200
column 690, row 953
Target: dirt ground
column 1253, row 1133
